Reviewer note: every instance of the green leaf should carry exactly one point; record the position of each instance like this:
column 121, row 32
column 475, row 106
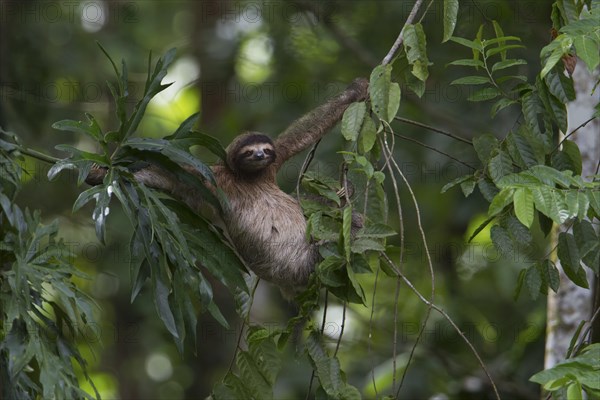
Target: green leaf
column 266, row 358
column 588, row 243
column 471, row 80
column 415, row 44
column 394, row 102
column 468, row 62
column 450, row 15
column 556, row 54
column 379, row 90
column 574, row 391
column 571, row 150
column 524, row 207
column 455, row 182
column 501, row 105
column 502, row 241
column 346, row 230
column 352, row 120
column 487, row 188
column 472, row 44
column 485, row 145
column 161, row 300
column 500, row 201
column 533, row 280
column 500, row 65
column 326, row 369
column 252, row 380
column 484, row 94
column 568, row 253
column 368, row 135
column 500, row 165
column 328, row 271
column 468, row 186
column 92, row 129
column 560, row 85
column 587, row 50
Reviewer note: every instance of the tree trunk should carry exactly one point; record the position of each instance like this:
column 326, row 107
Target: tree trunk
column 573, row 304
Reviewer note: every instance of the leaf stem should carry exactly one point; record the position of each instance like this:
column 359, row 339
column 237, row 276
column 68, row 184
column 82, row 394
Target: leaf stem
column 38, row 155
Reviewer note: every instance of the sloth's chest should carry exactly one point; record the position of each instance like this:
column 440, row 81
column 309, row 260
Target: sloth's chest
column 266, row 216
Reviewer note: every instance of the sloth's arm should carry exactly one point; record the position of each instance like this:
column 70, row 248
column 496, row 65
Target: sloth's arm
column 311, row 127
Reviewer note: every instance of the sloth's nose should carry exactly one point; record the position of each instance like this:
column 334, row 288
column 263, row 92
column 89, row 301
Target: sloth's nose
column 259, row 154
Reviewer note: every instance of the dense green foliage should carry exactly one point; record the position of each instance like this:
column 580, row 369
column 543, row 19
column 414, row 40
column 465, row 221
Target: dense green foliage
column 525, row 174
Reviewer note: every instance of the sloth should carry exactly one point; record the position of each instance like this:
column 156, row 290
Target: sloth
column 265, row 224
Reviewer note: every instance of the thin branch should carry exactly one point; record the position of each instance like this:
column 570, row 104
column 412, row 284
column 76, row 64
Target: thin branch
column 337, row 346
column 409, row 20
column 305, row 165
column 586, row 332
column 434, row 149
column 446, row 317
column 388, row 152
column 431, row 128
column 572, row 132
column 371, row 332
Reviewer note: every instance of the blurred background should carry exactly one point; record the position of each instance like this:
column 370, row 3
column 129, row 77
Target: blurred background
column 258, row 65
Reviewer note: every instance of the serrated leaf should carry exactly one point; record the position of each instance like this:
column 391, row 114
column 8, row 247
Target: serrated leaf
column 568, row 253
column 552, row 274
column 524, row 207
column 500, row 165
column 560, row 85
column 252, row 380
column 571, row 149
column 352, row 120
column 533, row 281
column 327, row 369
column 501, row 239
column 450, row 15
column 92, row 129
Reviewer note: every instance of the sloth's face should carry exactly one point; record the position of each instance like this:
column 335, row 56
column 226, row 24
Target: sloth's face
column 255, row 157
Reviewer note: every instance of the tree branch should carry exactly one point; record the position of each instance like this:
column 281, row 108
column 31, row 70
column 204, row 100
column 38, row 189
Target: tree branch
column 445, row 315
column 400, row 40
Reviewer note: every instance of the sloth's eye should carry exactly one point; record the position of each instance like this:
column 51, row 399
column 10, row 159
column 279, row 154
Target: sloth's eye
column 248, row 153
column 268, row 151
